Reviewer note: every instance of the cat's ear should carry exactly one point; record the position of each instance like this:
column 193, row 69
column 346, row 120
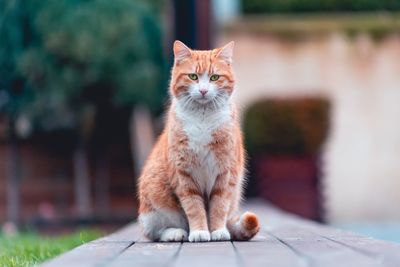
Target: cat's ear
column 226, row 52
column 181, row 51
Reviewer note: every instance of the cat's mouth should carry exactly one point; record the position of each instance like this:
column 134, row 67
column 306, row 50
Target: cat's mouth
column 203, row 100
column 200, row 101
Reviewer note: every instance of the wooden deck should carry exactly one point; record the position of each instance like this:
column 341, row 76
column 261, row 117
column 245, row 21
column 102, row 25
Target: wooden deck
column 284, row 240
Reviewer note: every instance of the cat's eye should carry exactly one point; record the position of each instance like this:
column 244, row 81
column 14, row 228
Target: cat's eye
column 193, row 76
column 214, row 77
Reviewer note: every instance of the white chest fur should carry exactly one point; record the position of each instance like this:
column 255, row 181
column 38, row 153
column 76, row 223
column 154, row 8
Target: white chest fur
column 199, row 128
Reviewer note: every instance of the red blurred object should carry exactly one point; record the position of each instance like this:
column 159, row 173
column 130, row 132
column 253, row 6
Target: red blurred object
column 291, row 183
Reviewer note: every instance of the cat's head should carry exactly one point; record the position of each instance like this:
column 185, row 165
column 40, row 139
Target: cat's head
column 202, row 78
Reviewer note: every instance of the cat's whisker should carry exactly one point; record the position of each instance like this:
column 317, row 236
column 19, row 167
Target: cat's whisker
column 187, row 101
column 214, row 104
column 219, row 100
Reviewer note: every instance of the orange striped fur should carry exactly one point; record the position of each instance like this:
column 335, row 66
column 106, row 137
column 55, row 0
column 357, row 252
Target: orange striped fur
column 191, row 184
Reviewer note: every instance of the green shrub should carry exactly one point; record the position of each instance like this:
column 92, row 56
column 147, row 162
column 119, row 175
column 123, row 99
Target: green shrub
column 286, row 126
column 60, row 58
column 283, row 6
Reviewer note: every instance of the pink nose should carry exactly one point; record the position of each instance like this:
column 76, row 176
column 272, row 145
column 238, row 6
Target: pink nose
column 203, row 92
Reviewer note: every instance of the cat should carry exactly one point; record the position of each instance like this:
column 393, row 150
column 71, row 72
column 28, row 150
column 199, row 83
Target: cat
column 191, row 184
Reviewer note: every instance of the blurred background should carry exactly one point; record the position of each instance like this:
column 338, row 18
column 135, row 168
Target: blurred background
column 83, row 87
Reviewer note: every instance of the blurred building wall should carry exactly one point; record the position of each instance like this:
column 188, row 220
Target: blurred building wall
column 46, row 187
column 361, row 77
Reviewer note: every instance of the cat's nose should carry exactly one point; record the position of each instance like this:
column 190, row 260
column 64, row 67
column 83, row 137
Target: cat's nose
column 203, row 92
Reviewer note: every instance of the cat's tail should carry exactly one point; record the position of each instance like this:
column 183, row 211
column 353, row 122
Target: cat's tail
column 244, row 227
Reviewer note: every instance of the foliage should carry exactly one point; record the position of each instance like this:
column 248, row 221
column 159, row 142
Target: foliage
column 13, row 95
column 283, row 6
column 286, row 126
column 30, row 248
column 293, row 27
column 69, row 56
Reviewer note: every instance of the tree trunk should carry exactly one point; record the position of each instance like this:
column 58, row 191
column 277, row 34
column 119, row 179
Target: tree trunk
column 82, row 181
column 141, row 136
column 13, row 178
column 102, row 185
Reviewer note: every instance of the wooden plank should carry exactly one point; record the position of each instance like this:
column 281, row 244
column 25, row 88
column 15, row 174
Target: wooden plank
column 131, row 232
column 320, row 251
column 207, row 254
column 266, row 250
column 386, row 253
column 98, row 252
column 325, row 245
column 147, row 254
column 284, row 240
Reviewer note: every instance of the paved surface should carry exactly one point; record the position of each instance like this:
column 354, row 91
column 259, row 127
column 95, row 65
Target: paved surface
column 284, row 240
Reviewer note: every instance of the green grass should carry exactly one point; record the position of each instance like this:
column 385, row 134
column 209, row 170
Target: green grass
column 29, row 249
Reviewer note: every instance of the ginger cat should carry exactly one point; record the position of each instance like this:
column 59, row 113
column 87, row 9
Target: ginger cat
column 191, row 184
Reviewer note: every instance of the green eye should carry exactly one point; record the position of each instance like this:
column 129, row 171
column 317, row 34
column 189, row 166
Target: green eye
column 214, row 77
column 193, row 76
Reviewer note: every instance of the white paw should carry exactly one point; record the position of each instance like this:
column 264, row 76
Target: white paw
column 199, row 236
column 221, row 235
column 173, row 234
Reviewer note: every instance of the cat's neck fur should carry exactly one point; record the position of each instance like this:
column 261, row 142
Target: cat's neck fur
column 207, row 117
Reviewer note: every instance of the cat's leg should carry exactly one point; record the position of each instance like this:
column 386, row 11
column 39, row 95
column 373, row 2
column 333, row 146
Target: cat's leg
column 192, row 203
column 219, row 207
column 164, row 225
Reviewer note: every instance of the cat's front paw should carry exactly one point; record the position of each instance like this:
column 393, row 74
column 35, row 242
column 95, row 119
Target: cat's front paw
column 221, row 234
column 173, row 235
column 199, row 236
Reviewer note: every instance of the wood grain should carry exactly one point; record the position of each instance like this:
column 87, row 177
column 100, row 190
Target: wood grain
column 207, row 254
column 147, row 254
